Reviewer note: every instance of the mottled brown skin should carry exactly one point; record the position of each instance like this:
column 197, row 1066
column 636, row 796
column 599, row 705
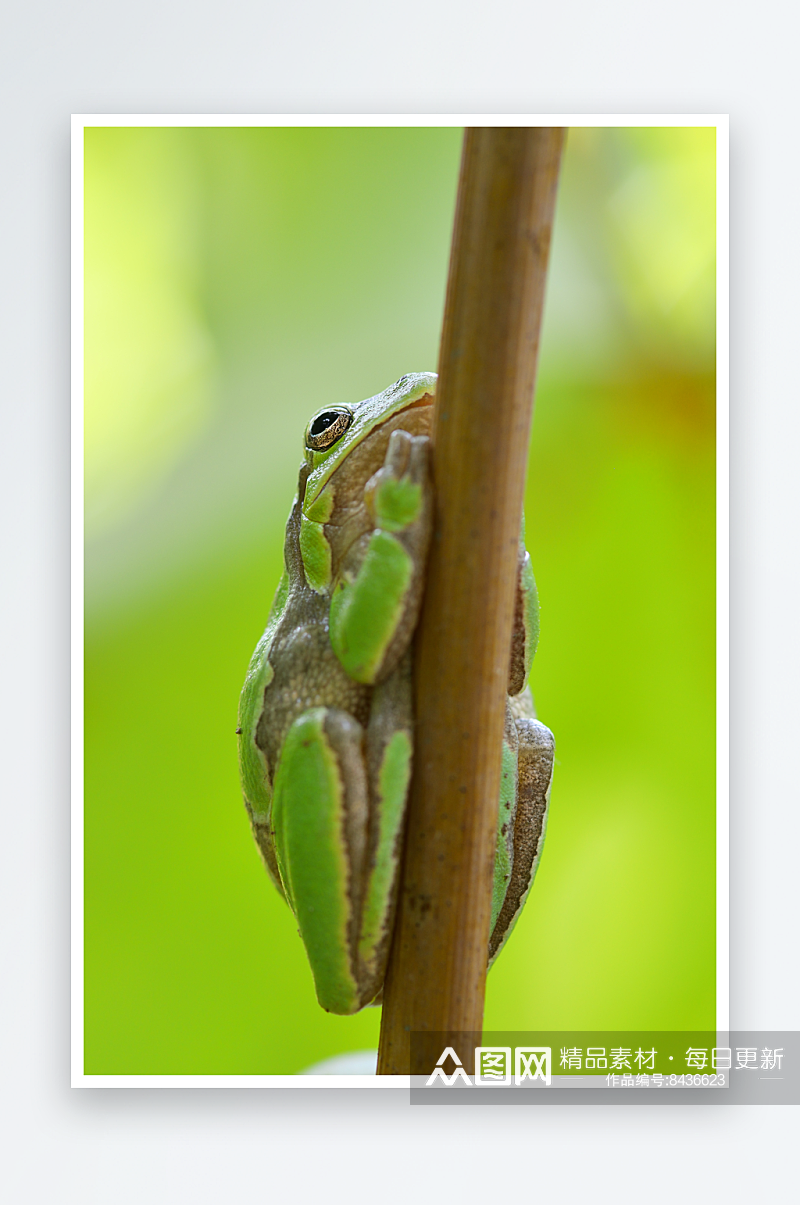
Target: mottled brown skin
column 516, row 666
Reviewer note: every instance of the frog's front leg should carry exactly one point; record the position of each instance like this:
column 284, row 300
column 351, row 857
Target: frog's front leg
column 339, row 804
column 376, row 598
column 525, row 630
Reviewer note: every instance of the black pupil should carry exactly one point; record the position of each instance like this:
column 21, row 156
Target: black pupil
column 323, row 421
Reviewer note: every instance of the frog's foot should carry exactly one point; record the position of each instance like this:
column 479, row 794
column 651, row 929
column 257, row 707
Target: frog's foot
column 535, row 753
column 396, row 496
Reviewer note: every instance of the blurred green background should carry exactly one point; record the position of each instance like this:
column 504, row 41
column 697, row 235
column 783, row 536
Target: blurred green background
column 238, row 279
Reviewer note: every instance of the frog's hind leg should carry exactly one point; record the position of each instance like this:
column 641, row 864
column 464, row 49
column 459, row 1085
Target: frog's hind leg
column 320, row 818
column 389, row 757
column 535, row 754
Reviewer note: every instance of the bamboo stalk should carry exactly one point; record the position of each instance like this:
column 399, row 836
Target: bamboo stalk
column 487, row 367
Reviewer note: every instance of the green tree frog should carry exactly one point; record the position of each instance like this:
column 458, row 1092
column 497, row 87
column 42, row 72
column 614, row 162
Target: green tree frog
column 326, row 728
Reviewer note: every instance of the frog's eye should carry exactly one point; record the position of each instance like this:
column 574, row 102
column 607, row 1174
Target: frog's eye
column 325, row 428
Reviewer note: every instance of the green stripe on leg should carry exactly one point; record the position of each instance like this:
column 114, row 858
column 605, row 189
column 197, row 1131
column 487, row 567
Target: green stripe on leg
column 394, row 777
column 365, row 613
column 308, row 816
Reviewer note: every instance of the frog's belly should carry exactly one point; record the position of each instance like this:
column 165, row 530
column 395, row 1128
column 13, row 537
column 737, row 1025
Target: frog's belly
column 307, row 674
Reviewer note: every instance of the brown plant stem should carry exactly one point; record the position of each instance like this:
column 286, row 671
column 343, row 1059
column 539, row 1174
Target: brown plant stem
column 487, row 366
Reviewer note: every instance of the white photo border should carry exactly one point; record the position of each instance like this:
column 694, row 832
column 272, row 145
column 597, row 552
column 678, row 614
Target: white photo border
column 79, row 123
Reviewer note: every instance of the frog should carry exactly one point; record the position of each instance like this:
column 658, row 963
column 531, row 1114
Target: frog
column 326, row 722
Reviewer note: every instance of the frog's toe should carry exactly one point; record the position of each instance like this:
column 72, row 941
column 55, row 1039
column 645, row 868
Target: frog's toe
column 419, row 457
column 398, row 452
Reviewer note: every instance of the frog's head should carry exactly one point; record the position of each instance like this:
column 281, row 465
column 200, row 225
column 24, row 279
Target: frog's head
column 346, row 444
